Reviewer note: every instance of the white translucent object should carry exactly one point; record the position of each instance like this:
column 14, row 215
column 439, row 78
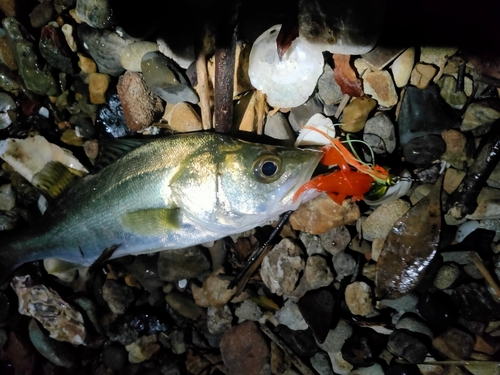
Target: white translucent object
column 29, row 156
column 465, row 229
column 287, row 83
column 310, row 137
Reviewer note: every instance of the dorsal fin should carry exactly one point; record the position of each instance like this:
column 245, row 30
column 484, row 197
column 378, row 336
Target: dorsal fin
column 112, row 150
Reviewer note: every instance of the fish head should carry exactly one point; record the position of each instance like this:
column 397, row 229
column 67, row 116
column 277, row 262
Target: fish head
column 235, row 185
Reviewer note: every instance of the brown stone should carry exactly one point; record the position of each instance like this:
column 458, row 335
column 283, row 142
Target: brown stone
column 21, row 354
column 454, row 344
column 487, row 344
column 86, row 64
column 183, row 118
column 244, row 349
column 140, row 106
column 381, row 88
column 8, row 7
column 98, row 84
column 422, row 75
column 322, row 213
column 356, row 113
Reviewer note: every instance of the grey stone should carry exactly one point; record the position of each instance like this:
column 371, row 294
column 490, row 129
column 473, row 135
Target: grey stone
column 446, row 275
column 7, row 197
column 290, row 316
column 407, row 303
column 188, row 263
column 413, row 323
column 375, row 369
column 312, row 243
column 379, row 133
column 300, row 115
column 403, row 344
column 321, row 363
column 248, row 310
column 336, row 337
column 219, row 320
column 178, row 341
column 480, row 113
column 344, row 264
column 118, row 296
column 381, row 221
column 96, row 13
column 277, row 127
column 335, row 240
column 328, row 89
column 448, row 91
column 424, row 150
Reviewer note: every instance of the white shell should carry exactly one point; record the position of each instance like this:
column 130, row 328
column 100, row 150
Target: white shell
column 465, row 229
column 287, row 83
column 309, row 137
column 29, row 156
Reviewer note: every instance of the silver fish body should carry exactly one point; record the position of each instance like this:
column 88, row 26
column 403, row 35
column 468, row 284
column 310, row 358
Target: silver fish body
column 170, row 193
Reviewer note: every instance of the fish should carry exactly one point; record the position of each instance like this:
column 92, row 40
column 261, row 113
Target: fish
column 169, row 193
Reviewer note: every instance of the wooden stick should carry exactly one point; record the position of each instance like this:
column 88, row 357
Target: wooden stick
column 487, row 276
column 203, row 89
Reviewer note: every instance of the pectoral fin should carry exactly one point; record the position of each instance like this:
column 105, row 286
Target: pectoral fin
column 154, row 221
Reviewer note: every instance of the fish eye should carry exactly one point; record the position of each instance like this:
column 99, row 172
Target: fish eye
column 267, row 168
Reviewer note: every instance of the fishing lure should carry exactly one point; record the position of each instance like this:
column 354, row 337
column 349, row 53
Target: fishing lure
column 344, row 182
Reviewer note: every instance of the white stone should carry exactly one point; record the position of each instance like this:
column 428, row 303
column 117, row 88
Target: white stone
column 401, row 67
column 7, row 197
column 290, row 316
column 131, row 55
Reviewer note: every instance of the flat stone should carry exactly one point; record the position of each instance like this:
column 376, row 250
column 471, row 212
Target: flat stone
column 421, row 113
column 322, row 214
column 131, row 56
column 219, row 320
column 381, row 88
column 405, row 345
column 380, row 134
column 184, row 305
column 184, row 118
column 321, row 363
column 381, row 221
column 479, row 113
column 452, row 180
column 328, row 89
column 344, row 264
column 455, row 344
column 356, row 113
column 96, row 13
column 380, row 56
column 311, row 243
column 414, row 323
column 140, row 106
column 475, row 303
column 402, row 67
column 244, row 349
column 422, row 75
column 437, row 56
column 187, row 263
column 335, row 240
column 358, row 297
column 118, row 296
column 336, row 337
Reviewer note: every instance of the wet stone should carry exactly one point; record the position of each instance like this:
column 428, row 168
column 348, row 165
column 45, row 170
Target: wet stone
column 165, row 80
column 244, row 349
column 133, row 53
column 300, row 115
column 302, row 342
column 178, row 341
column 321, row 363
column 475, row 303
column 405, row 345
column 115, row 356
column 7, row 197
column 317, row 272
column 421, row 113
column 133, row 324
column 363, row 347
column 375, row 369
column 53, row 48
column 104, row 46
column 424, row 150
column 454, row 344
column 317, row 308
column 42, row 14
column 117, row 295
column 58, row 352
column 185, row 306
column 8, row 80
column 422, row 75
column 184, row 119
column 447, row 275
column 110, row 119
column 380, row 86
column 96, row 13
column 277, row 127
column 145, row 270
column 379, row 133
column 438, row 310
column 402, row 67
column 140, row 106
column 413, row 323
column 312, row 243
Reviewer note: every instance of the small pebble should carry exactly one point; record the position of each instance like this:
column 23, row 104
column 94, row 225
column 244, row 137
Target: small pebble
column 344, row 264
column 184, row 119
column 335, row 240
column 131, row 56
column 479, row 113
column 446, row 276
column 407, row 346
column 381, row 88
column 422, row 75
column 114, row 356
column 402, row 67
column 185, row 306
column 290, row 316
column 358, row 297
column 219, row 320
column 188, row 263
column 117, row 295
column 381, row 221
column 248, row 310
column 380, row 134
column 356, row 113
column 454, row 344
column 98, row 85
